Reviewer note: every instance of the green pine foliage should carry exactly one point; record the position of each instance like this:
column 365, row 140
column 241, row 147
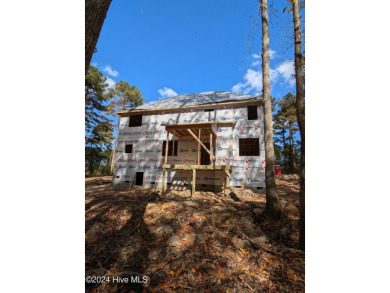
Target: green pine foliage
column 287, row 148
column 98, row 125
column 125, row 96
column 101, row 103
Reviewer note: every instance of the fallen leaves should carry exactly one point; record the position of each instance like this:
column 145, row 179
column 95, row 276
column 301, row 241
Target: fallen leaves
column 186, row 245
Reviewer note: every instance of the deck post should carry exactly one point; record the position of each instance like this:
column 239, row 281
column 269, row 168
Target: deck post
column 166, row 148
column 165, row 162
column 227, row 183
column 173, row 143
column 199, row 149
column 163, row 182
column 193, row 182
column 211, row 148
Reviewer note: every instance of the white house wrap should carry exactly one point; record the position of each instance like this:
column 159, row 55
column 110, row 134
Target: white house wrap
column 234, row 122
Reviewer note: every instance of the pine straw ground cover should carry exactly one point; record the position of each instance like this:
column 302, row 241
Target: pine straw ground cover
column 196, row 245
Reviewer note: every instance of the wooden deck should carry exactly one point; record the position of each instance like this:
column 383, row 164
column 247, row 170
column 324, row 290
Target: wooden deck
column 184, row 129
column 194, row 168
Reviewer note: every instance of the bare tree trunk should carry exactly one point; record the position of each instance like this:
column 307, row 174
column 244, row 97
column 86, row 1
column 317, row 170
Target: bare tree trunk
column 300, row 116
column 95, row 13
column 273, row 208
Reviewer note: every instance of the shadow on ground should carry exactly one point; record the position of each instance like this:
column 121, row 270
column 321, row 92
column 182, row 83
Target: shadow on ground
column 183, row 245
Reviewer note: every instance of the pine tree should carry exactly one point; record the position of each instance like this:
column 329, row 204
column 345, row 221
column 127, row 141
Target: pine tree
column 273, row 208
column 98, row 127
column 123, row 96
column 286, row 120
column 300, row 108
column 280, row 134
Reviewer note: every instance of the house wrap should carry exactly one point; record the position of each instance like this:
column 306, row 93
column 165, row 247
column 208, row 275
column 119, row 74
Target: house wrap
column 229, row 125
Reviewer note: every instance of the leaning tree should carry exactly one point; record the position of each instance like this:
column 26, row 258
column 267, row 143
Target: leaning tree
column 95, row 14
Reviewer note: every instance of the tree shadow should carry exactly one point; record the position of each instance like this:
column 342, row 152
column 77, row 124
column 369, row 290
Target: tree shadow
column 178, row 243
column 117, row 239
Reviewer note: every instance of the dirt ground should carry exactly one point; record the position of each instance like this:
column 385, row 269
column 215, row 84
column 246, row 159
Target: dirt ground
column 173, row 243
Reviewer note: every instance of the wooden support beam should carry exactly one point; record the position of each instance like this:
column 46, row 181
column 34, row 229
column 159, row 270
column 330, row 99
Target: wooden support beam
column 205, row 126
column 242, row 184
column 180, row 134
column 193, row 182
column 228, row 183
column 197, row 167
column 165, row 161
column 197, row 125
column 173, row 144
column 166, row 148
column 201, row 143
column 163, row 181
column 211, row 149
column 199, row 152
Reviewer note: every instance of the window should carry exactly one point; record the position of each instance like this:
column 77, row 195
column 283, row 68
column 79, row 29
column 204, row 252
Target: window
column 135, row 120
column 170, row 148
column 249, row 147
column 208, row 110
column 252, row 112
column 128, row 148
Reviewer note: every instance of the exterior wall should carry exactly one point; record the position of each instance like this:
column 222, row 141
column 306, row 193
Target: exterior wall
column 148, row 140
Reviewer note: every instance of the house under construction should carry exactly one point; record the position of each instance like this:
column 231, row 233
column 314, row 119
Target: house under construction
column 208, row 141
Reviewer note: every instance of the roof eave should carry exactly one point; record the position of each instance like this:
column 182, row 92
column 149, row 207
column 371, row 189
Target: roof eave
column 229, row 102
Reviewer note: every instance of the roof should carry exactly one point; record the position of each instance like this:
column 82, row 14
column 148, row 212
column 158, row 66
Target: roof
column 194, row 99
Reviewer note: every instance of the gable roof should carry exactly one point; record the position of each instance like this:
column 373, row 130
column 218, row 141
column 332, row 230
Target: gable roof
column 195, row 99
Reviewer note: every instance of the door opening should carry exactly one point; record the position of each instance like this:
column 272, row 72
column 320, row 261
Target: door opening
column 139, row 179
column 205, row 156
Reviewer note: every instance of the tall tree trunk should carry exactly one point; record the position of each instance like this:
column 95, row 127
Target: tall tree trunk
column 273, row 208
column 300, row 116
column 95, row 13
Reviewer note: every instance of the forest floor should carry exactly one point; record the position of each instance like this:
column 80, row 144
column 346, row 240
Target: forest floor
column 191, row 245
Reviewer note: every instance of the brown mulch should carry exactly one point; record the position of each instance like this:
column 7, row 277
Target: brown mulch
column 190, row 245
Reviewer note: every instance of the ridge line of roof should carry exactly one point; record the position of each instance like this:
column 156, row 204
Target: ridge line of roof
column 185, row 100
column 253, row 99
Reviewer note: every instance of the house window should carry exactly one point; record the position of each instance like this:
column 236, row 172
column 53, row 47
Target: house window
column 128, row 148
column 249, row 147
column 135, row 120
column 208, row 110
column 170, row 148
column 252, row 112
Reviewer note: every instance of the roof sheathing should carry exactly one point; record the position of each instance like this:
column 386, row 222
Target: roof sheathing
column 191, row 100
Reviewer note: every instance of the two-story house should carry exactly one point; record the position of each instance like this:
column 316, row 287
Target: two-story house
column 203, row 141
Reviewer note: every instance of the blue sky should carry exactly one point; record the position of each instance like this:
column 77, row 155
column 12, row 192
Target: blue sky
column 179, row 47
